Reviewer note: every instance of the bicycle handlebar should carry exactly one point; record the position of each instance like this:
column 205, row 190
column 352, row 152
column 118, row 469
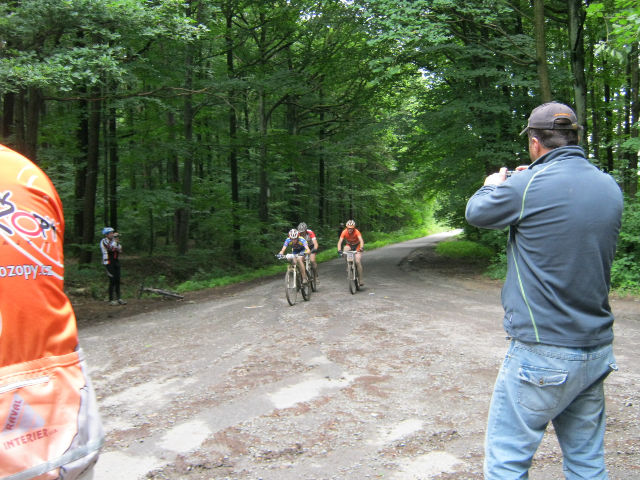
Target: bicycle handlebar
column 289, row 256
column 345, row 252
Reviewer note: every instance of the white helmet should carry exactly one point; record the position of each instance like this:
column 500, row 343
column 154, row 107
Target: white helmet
column 293, row 233
column 351, row 224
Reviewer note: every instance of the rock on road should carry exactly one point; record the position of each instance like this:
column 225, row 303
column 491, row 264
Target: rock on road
column 393, row 382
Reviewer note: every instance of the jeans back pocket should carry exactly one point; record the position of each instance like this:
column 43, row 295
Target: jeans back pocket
column 540, row 388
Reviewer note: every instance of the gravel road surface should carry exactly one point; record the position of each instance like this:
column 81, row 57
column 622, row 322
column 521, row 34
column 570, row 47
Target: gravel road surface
column 391, row 383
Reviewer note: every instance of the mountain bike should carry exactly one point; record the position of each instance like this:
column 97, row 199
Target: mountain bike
column 353, row 278
column 293, row 280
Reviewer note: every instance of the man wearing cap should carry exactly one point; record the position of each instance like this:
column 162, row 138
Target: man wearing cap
column 111, row 248
column 563, row 216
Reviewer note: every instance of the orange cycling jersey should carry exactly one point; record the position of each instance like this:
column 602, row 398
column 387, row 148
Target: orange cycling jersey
column 49, row 425
column 37, row 318
column 351, row 238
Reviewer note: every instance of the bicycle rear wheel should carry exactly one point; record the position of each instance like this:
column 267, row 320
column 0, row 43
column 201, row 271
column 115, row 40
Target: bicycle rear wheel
column 290, row 286
column 313, row 277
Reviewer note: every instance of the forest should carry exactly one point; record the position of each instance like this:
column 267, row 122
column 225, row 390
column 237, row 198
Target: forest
column 214, row 126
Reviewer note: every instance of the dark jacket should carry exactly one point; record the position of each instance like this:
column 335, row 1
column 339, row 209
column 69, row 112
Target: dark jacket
column 564, row 218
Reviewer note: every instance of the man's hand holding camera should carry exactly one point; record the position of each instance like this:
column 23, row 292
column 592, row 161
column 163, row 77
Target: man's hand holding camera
column 502, row 175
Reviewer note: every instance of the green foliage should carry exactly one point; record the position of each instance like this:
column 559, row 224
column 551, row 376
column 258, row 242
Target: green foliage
column 53, row 44
column 625, row 272
column 464, row 249
column 389, row 112
column 622, row 17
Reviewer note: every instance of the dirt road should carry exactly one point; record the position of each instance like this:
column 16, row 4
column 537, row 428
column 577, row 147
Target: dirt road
column 390, row 383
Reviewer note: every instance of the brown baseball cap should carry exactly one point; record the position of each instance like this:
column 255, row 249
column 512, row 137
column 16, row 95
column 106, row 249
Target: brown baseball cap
column 552, row 116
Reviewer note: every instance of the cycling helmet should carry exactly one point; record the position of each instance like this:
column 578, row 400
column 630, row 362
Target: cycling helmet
column 107, row 230
column 293, row 233
column 302, row 227
column 351, row 224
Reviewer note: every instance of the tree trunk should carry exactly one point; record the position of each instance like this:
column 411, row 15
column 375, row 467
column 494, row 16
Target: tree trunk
column 91, row 180
column 322, row 203
column 105, row 164
column 322, row 213
column 577, row 17
column 608, row 122
column 81, row 170
column 173, row 170
column 114, row 159
column 541, row 52
column 34, row 104
column 8, row 106
column 595, row 106
column 302, row 193
column 631, row 173
column 183, row 213
column 263, row 199
column 233, row 134
column 19, row 124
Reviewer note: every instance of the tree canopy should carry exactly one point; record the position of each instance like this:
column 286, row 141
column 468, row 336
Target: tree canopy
column 197, row 124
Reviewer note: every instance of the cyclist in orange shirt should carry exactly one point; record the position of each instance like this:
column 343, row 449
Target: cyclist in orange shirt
column 50, row 427
column 355, row 242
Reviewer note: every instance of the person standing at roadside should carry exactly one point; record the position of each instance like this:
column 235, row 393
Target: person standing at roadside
column 564, row 217
column 111, row 248
column 51, row 427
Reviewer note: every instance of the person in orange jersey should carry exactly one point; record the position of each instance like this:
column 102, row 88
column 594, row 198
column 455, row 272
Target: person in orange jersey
column 353, row 238
column 50, row 427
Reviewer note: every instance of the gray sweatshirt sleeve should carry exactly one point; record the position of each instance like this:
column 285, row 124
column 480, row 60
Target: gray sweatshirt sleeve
column 495, row 206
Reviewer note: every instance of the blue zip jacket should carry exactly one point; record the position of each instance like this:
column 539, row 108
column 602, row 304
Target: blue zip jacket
column 564, row 217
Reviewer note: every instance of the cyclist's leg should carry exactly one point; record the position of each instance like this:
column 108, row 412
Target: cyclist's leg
column 346, row 248
column 112, row 282
column 303, row 271
column 359, row 267
column 312, row 257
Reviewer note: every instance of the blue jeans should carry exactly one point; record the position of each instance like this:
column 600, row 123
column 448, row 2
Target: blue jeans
column 542, row 383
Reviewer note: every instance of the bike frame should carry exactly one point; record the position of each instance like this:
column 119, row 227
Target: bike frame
column 352, row 271
column 311, row 278
column 292, row 280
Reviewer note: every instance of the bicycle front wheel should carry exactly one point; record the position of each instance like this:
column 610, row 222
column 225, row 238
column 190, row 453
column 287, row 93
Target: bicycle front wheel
column 290, row 286
column 305, row 289
column 353, row 280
